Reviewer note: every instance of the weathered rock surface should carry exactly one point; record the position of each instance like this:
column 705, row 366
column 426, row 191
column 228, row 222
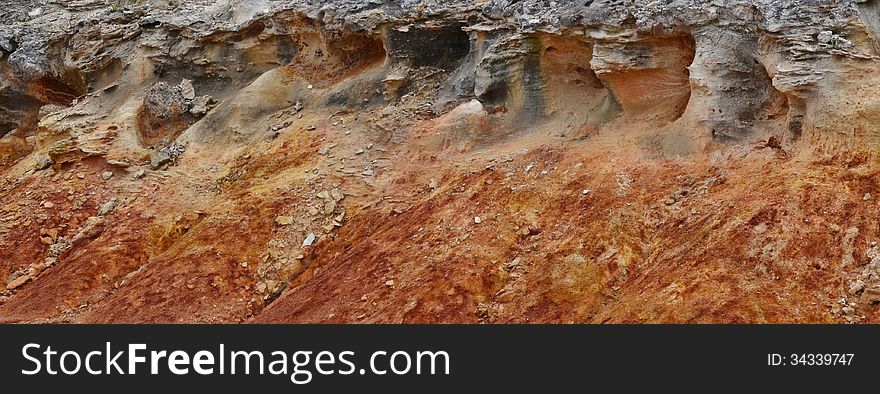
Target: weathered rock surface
column 745, row 63
column 672, row 160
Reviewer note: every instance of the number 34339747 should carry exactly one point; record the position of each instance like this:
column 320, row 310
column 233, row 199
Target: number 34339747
column 810, row 359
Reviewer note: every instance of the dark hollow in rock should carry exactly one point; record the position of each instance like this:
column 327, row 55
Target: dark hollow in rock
column 61, row 90
column 442, row 47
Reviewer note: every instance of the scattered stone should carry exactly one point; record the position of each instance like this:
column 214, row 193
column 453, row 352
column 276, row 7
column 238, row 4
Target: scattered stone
column 828, row 38
column 166, row 156
column 310, row 240
column 42, row 163
column 389, row 283
column 311, row 127
column 48, row 204
column 337, row 195
column 867, row 197
column 107, row 175
column 35, row 269
column 432, row 184
column 107, row 207
column 329, row 206
column 187, row 90
column 117, row 163
column 18, row 282
column 57, row 249
column 840, row 42
column 586, row 191
column 513, row 264
column 284, row 220
column 91, row 228
column 856, row 286
column 202, row 105
column 274, row 287
column 368, row 172
column 140, row 173
column 159, row 159
column 477, row 220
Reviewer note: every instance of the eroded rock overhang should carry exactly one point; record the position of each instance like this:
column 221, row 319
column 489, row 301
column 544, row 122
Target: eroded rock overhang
column 725, row 70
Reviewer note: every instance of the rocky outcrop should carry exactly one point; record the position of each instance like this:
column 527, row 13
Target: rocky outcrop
column 234, row 120
column 730, row 67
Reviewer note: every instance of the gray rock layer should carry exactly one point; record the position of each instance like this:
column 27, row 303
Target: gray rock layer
column 724, row 68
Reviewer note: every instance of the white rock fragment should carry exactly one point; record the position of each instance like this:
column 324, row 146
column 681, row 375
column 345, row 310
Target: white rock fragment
column 310, row 240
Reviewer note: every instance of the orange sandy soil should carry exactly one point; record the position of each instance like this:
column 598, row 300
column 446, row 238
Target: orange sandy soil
column 747, row 234
column 759, row 240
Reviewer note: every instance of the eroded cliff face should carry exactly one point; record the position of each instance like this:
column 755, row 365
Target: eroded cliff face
column 455, row 161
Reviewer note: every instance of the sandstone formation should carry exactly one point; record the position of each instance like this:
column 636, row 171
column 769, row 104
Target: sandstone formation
column 472, row 161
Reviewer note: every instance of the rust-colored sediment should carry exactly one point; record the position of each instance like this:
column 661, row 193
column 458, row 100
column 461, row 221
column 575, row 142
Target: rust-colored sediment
column 590, row 233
